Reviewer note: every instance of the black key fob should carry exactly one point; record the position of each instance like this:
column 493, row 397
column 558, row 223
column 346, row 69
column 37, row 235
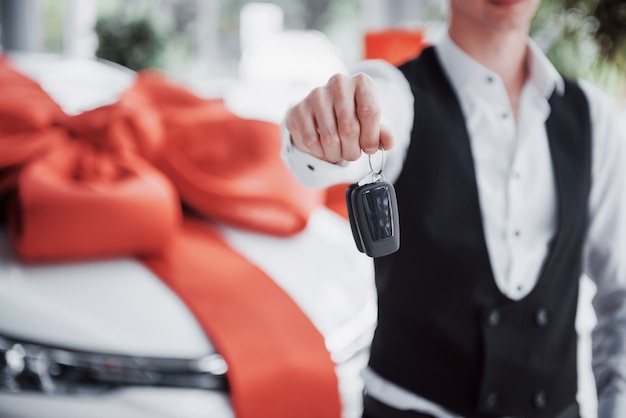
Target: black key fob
column 373, row 213
column 355, row 229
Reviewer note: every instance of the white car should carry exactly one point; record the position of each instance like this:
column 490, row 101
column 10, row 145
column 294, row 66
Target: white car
column 109, row 339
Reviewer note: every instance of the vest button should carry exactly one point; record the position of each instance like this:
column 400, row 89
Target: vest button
column 541, row 317
column 493, row 318
column 540, row 400
column 491, row 400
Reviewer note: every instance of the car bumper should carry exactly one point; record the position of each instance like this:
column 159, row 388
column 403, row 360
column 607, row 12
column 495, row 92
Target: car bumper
column 139, row 402
column 128, row 402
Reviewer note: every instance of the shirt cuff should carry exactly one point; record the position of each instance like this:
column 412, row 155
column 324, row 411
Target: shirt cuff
column 313, row 172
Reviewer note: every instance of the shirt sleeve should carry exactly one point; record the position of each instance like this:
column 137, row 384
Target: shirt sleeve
column 396, row 102
column 605, row 252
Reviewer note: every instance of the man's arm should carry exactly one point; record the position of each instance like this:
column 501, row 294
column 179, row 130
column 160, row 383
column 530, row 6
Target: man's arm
column 328, row 136
column 605, row 253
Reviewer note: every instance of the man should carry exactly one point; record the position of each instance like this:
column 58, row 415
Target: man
column 511, row 183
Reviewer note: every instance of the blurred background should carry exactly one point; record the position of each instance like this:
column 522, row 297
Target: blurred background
column 202, row 42
column 259, row 56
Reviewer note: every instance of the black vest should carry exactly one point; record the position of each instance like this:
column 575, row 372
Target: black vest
column 445, row 331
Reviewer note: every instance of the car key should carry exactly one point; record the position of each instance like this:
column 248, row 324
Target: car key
column 355, row 229
column 373, row 214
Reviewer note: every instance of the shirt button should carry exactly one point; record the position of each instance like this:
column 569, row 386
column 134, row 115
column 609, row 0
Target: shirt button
column 493, row 318
column 541, row 317
column 491, row 400
column 517, row 233
column 489, row 79
column 505, row 115
column 540, row 400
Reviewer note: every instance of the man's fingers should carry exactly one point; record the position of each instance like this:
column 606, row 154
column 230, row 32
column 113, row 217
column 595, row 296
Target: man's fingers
column 341, row 91
column 367, row 113
column 301, row 125
column 348, row 129
column 386, row 138
column 326, row 125
column 339, row 120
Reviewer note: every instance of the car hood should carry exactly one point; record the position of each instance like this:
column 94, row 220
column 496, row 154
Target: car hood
column 119, row 306
column 115, row 306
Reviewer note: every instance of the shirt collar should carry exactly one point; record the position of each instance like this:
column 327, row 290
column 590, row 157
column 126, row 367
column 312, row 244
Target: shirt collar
column 542, row 72
column 463, row 70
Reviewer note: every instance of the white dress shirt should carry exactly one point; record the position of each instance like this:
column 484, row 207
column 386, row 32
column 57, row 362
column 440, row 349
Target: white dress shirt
column 517, row 196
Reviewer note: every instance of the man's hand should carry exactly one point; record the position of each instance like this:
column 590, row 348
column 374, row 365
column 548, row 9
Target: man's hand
column 337, row 121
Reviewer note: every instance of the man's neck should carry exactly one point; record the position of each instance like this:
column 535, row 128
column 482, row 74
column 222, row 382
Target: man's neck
column 503, row 52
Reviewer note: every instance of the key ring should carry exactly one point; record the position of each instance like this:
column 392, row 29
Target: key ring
column 382, row 162
column 377, row 175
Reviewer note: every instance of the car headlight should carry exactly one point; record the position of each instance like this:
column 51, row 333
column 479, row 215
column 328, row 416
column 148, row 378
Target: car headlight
column 29, row 366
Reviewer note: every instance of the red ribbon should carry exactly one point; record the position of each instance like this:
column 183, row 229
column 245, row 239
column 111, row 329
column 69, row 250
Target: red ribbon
column 278, row 366
column 109, row 182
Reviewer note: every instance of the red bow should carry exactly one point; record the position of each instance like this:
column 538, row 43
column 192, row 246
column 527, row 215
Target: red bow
column 107, row 183
column 92, row 185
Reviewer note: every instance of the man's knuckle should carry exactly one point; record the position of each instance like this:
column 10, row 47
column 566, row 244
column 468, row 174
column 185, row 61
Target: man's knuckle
column 341, row 95
column 327, row 131
column 336, row 80
column 351, row 154
column 315, row 96
column 361, row 78
column 328, row 140
column 368, row 110
column 350, row 129
column 309, row 141
column 292, row 124
column 343, row 115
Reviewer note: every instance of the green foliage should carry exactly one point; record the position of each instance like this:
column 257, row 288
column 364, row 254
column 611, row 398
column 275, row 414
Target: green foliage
column 611, row 32
column 133, row 43
column 585, row 39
